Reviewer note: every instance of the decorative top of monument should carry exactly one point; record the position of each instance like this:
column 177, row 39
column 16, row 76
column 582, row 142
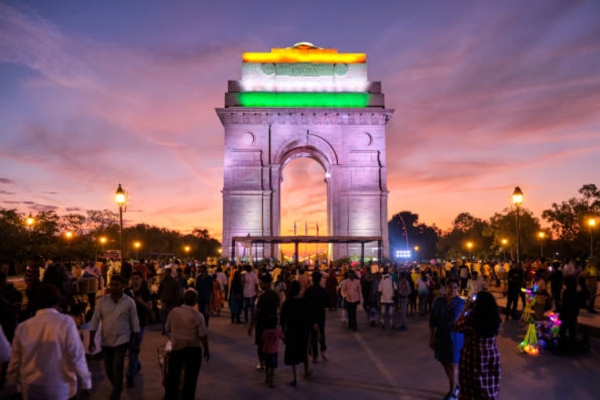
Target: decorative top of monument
column 304, row 45
column 304, row 52
column 304, row 76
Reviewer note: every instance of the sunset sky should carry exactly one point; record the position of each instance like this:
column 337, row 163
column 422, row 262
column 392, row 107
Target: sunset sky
column 487, row 96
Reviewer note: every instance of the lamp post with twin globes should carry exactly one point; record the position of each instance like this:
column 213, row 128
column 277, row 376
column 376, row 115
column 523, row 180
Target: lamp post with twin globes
column 517, row 199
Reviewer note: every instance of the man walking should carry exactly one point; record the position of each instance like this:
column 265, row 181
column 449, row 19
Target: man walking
column 351, row 293
column 143, row 304
column 250, row 292
column 187, row 330
column 387, row 293
column 48, row 358
column 204, row 287
column 120, row 323
column 168, row 291
column 319, row 301
column 404, row 291
column 515, row 283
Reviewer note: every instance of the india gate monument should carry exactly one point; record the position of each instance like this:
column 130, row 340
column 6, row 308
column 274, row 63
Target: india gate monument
column 305, row 101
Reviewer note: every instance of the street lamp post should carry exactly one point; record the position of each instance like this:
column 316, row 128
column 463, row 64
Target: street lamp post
column 592, row 224
column 542, row 236
column 187, row 252
column 517, row 199
column 416, row 248
column 30, row 222
column 469, row 246
column 69, row 236
column 137, row 246
column 504, row 243
column 405, row 231
column 120, row 200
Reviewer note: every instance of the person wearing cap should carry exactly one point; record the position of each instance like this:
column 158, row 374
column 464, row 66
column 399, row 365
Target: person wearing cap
column 48, row 359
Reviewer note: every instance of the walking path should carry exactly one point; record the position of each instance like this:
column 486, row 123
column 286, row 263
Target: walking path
column 369, row 364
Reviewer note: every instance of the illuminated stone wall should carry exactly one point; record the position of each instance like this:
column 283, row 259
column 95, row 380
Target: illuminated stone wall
column 317, row 107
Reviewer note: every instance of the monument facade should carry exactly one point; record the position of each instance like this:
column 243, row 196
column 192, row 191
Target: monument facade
column 305, row 101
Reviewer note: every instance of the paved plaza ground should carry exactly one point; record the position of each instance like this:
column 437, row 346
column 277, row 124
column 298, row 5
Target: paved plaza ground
column 369, row 364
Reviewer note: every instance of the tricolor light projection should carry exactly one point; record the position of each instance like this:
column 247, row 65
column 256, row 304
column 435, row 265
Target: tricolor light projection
column 304, row 76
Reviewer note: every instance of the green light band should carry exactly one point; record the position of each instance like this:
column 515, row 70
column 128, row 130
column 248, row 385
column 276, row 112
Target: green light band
column 302, row 99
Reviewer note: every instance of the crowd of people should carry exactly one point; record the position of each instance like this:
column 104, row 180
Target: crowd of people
column 280, row 304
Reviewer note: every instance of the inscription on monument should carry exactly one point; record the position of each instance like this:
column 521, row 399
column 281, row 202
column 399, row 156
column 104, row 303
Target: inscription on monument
column 304, row 69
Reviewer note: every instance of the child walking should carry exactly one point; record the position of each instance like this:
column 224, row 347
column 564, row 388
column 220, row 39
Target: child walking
column 270, row 339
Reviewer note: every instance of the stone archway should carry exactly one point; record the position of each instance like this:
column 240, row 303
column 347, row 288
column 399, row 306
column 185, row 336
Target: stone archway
column 261, row 137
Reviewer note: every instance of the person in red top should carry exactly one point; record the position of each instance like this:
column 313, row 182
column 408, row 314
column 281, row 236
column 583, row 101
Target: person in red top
column 270, row 338
column 143, row 269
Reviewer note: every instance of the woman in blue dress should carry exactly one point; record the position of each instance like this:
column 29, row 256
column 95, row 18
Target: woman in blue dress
column 445, row 342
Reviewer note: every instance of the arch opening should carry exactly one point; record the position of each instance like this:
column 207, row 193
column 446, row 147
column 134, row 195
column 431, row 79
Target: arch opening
column 304, row 204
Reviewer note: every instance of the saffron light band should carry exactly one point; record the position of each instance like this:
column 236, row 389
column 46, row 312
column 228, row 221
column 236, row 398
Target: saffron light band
column 304, row 56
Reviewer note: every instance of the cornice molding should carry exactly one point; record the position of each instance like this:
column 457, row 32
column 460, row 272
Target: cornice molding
column 293, row 116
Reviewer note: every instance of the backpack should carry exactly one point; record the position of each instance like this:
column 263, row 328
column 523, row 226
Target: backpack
column 404, row 289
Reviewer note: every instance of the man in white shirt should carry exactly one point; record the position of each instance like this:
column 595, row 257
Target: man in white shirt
column 119, row 322
column 47, row 353
column 250, row 292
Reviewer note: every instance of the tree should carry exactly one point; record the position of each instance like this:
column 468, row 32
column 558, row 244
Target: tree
column 465, row 229
column 503, row 226
column 405, row 225
column 568, row 221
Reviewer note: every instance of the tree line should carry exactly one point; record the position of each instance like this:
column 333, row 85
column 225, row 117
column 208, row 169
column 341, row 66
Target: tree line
column 90, row 235
column 567, row 232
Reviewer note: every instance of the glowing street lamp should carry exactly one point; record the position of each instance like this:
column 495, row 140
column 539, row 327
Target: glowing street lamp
column 592, row 224
column 469, row 246
column 30, row 221
column 187, row 251
column 137, row 246
column 120, row 199
column 542, row 236
column 103, row 244
column 504, row 243
column 517, row 199
column 69, row 236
